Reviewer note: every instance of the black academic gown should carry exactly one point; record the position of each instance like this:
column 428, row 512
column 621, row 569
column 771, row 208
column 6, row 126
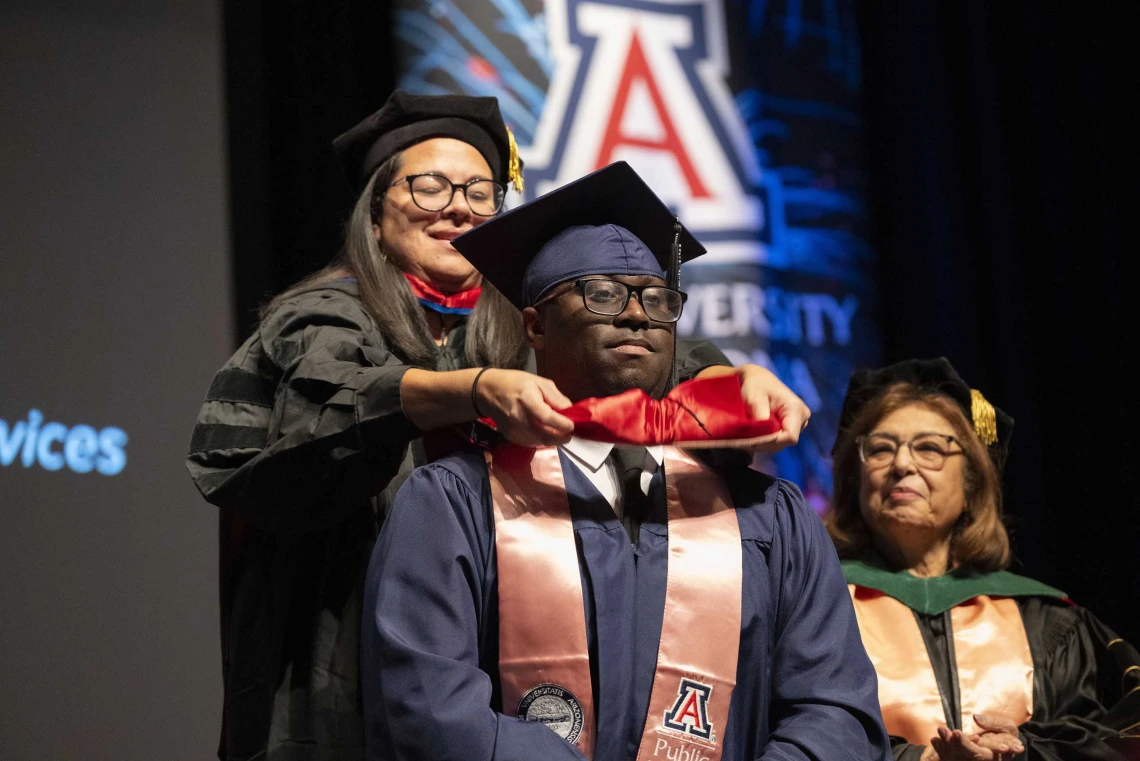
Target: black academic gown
column 302, row 443
column 1086, row 683
column 805, row 687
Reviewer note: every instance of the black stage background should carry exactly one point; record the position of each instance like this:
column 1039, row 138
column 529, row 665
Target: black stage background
column 114, row 281
column 998, row 147
column 999, row 167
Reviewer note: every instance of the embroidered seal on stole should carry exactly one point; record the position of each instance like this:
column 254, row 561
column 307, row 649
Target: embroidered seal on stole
column 554, row 706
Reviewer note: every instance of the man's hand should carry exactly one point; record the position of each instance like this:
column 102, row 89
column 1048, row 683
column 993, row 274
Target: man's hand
column 765, row 395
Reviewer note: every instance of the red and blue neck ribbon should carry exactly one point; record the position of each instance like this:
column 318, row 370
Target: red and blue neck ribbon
column 431, row 297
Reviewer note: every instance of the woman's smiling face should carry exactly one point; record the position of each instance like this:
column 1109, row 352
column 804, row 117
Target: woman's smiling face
column 903, row 497
column 419, row 241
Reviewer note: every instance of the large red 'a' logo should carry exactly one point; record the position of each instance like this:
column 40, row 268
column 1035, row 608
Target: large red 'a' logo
column 662, row 135
column 644, row 81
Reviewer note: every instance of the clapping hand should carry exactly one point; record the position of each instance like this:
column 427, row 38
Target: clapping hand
column 998, row 741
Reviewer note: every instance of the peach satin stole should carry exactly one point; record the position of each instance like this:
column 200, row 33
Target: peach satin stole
column 547, row 678
column 991, row 650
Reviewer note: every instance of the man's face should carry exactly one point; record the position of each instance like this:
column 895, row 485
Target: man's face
column 588, row 354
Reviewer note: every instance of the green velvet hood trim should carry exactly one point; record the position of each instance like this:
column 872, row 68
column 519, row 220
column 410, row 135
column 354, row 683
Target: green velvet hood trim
column 939, row 594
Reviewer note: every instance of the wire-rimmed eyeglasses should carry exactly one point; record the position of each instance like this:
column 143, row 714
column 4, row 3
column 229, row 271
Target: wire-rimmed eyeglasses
column 928, row 450
column 433, row 192
column 611, row 297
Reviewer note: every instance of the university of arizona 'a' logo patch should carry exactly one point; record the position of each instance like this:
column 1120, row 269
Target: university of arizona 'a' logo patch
column 690, row 711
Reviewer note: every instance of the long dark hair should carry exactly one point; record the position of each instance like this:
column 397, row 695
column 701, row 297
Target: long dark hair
column 980, row 540
column 494, row 330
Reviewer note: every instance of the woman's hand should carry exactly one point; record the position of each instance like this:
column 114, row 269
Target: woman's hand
column 999, row 732
column 523, row 407
column 763, row 392
column 956, row 745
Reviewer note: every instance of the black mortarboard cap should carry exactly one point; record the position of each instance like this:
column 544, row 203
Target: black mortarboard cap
column 993, row 426
column 407, row 119
column 608, row 222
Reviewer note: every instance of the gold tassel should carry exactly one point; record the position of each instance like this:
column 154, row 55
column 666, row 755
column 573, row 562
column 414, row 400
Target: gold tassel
column 985, row 419
column 514, row 164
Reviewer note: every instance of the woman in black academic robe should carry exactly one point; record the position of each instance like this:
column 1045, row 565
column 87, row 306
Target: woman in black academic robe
column 973, row 662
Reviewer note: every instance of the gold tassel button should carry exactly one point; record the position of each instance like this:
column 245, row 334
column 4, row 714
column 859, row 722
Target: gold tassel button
column 514, row 164
column 985, row 418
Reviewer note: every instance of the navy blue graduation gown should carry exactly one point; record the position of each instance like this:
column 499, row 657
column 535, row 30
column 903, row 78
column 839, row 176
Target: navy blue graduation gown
column 429, row 660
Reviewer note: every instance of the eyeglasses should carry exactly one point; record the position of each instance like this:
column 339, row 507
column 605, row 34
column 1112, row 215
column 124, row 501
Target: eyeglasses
column 610, row 297
column 928, row 450
column 433, row 192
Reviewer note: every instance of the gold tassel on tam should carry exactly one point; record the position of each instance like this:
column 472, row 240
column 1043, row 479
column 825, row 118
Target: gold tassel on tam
column 985, row 419
column 514, row 163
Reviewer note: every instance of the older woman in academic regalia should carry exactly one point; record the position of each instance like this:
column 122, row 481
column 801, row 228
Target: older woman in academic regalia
column 973, row 662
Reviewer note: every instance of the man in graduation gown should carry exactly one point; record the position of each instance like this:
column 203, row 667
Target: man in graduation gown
column 537, row 604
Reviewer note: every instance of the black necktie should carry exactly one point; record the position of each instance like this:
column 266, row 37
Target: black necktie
column 628, row 462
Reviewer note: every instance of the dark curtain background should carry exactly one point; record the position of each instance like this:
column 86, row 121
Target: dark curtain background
column 1002, row 174
column 999, row 160
column 297, row 75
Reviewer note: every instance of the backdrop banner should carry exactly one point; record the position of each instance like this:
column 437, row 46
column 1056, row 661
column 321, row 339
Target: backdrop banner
column 743, row 115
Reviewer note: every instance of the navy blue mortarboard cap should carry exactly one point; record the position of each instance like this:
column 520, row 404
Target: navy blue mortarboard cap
column 587, row 250
column 606, row 223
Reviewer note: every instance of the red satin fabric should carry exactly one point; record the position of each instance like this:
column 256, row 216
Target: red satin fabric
column 634, row 417
column 427, row 292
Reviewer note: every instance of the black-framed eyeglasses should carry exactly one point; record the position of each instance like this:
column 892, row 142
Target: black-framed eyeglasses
column 610, row 297
column 433, row 192
column 928, row 450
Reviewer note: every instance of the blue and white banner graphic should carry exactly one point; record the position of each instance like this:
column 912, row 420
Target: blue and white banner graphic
column 741, row 114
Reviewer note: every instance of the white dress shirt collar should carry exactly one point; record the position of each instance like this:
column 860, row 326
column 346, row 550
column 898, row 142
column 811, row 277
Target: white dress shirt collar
column 594, row 453
column 591, row 458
